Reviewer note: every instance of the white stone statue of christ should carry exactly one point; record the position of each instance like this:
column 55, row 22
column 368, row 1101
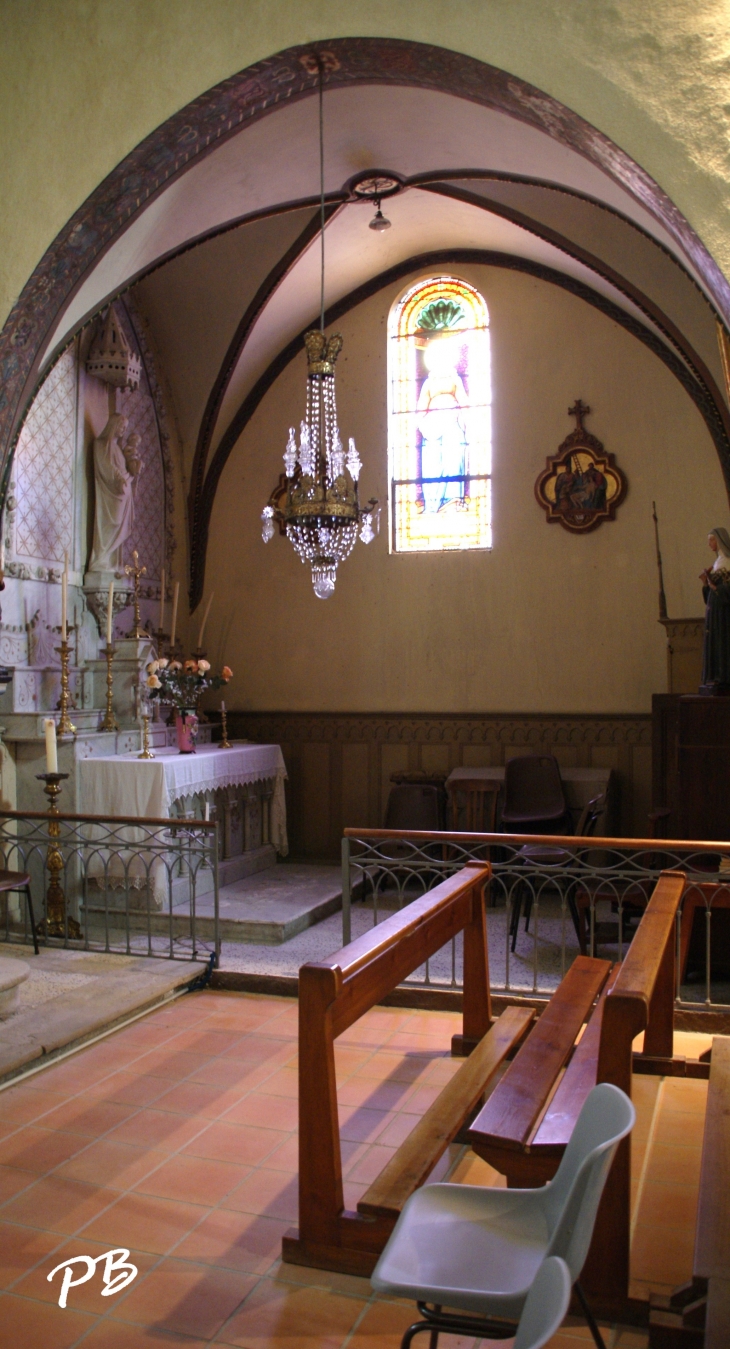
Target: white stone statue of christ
column 116, row 467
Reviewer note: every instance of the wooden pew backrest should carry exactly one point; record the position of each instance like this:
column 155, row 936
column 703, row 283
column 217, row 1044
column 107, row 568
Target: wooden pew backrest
column 642, row 996
column 332, row 995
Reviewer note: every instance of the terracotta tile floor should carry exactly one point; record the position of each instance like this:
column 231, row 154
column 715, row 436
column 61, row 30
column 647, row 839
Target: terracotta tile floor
column 176, row 1138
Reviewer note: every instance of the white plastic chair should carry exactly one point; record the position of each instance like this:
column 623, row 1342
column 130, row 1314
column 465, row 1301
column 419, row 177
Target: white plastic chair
column 478, row 1249
column 544, row 1311
column 546, row 1305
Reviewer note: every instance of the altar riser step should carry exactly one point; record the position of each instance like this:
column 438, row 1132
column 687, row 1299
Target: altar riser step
column 260, row 933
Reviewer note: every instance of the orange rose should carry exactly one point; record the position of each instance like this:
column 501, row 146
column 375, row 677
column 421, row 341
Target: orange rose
column 227, row 673
column 191, row 666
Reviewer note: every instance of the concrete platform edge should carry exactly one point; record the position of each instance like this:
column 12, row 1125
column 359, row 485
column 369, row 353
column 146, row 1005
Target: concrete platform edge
column 127, row 1006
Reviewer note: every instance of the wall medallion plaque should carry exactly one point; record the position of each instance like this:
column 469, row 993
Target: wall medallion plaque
column 582, row 485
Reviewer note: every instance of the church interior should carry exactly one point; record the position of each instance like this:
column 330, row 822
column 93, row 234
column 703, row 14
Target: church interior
column 364, row 675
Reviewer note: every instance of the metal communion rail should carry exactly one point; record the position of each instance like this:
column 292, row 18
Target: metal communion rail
column 132, row 886
column 550, row 897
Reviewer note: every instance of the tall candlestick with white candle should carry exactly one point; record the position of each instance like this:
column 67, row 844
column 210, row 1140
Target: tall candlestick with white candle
column 64, row 597
column 110, row 614
column 49, row 727
column 161, row 624
column 205, row 620
column 173, row 625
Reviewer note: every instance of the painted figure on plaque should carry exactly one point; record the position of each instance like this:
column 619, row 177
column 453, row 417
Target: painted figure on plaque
column 117, row 464
column 442, row 423
column 716, row 594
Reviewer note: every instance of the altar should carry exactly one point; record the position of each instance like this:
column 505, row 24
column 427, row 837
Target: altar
column 242, row 788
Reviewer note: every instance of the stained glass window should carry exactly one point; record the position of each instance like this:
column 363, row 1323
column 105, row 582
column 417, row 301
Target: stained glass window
column 440, row 437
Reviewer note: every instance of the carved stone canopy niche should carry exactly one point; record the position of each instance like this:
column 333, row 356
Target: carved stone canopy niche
column 582, row 484
column 111, row 357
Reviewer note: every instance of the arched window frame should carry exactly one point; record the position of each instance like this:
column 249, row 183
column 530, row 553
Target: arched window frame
column 463, row 519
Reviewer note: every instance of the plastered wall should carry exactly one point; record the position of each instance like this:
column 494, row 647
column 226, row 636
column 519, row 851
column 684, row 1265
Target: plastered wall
column 83, row 81
column 547, row 621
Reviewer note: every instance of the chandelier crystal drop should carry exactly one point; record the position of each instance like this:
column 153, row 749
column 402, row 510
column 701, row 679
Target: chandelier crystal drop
column 318, row 505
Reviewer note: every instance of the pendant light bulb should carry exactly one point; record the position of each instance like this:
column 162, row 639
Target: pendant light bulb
column 379, row 221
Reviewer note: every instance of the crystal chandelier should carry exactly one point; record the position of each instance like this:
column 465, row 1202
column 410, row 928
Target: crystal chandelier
column 316, row 504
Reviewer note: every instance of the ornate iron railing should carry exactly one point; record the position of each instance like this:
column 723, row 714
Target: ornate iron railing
column 129, row 885
column 550, row 896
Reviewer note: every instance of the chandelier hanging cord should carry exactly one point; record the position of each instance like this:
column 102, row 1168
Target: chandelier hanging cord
column 320, row 70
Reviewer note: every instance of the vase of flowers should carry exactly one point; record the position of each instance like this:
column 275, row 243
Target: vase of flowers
column 182, row 683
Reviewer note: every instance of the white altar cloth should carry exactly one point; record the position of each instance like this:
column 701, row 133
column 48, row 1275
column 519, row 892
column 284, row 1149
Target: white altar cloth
column 125, row 785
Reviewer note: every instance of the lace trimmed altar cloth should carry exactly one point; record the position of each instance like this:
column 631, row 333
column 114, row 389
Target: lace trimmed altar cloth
column 125, row 785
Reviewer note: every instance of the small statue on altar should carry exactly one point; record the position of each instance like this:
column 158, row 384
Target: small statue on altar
column 716, row 594
column 117, row 463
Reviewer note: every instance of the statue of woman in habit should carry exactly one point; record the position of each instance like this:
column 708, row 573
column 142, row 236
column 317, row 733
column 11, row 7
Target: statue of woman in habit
column 716, row 594
column 116, row 468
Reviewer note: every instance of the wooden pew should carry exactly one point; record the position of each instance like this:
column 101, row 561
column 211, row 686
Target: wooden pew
column 697, row 1315
column 335, row 993
column 712, row 1244
column 524, row 1141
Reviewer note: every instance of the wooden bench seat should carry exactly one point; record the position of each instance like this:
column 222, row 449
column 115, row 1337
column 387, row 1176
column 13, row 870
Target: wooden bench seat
column 416, row 1157
column 712, row 1244
column 697, row 1315
column 502, row 1131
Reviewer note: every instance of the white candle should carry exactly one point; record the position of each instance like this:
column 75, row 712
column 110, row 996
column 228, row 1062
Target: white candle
column 205, row 620
column 207, row 810
column 49, row 726
column 173, row 625
column 223, row 706
column 64, row 600
column 161, row 624
column 110, row 614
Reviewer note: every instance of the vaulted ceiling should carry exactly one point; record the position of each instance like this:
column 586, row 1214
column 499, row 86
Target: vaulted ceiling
column 223, row 259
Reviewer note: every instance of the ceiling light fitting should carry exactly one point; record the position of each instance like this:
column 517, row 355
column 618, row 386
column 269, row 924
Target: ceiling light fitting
column 379, row 221
column 317, row 504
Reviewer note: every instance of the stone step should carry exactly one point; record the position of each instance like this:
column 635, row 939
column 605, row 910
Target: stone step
column 266, row 908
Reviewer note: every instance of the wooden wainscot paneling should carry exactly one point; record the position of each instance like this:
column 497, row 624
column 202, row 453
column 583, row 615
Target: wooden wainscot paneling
column 339, row 764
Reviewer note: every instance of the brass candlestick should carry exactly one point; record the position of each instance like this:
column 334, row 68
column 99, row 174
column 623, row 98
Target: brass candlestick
column 146, row 751
column 56, row 922
column 225, row 742
column 109, row 723
column 136, row 571
column 65, row 724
